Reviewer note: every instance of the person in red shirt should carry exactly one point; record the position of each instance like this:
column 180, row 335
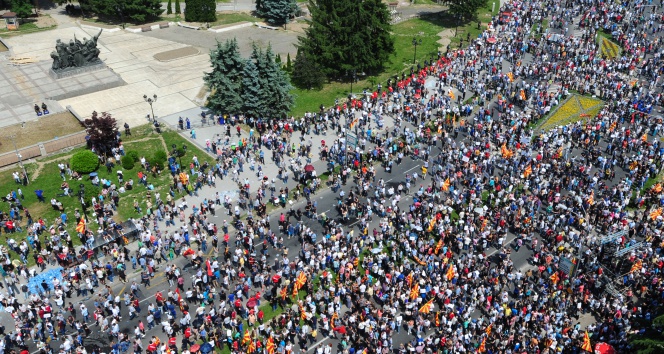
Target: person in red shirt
column 260, row 316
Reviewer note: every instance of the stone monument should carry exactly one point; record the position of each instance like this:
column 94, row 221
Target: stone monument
column 76, row 57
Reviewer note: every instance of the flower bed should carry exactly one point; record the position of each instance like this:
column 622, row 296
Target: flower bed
column 573, row 109
column 608, row 48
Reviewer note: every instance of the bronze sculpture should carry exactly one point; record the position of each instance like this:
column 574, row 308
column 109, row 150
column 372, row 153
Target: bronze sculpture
column 76, row 54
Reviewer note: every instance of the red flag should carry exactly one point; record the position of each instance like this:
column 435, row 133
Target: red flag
column 209, row 268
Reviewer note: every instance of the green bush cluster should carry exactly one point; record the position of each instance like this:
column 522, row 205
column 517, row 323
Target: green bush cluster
column 127, row 162
column 85, row 161
column 159, row 159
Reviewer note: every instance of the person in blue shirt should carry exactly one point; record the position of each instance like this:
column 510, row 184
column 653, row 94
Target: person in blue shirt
column 40, row 195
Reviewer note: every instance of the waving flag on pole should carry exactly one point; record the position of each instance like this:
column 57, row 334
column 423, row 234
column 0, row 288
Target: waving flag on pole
column 80, row 228
column 450, row 272
column 251, row 347
column 528, row 171
column 270, row 346
column 414, row 292
column 554, row 278
column 482, row 347
column 301, row 280
column 426, row 308
column 247, row 337
column 586, row 343
column 439, row 245
column 446, row 185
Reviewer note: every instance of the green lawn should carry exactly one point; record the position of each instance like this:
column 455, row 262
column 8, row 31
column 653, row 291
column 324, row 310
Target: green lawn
column 426, row 28
column 228, row 18
column 544, row 26
column 24, row 28
column 44, row 174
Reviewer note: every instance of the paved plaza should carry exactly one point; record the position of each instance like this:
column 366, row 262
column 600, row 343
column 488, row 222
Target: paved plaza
column 167, row 62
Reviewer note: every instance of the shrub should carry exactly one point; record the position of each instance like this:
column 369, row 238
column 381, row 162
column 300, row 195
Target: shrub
column 84, row 161
column 127, row 162
column 133, row 154
column 160, row 156
column 157, row 163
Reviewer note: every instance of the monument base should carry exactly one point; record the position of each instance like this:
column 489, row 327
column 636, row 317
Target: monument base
column 73, row 71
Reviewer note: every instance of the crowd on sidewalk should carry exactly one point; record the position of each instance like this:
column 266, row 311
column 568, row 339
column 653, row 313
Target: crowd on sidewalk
column 433, row 255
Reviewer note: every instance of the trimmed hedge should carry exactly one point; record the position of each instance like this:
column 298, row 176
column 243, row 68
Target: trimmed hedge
column 160, row 156
column 127, row 162
column 133, row 154
column 85, row 161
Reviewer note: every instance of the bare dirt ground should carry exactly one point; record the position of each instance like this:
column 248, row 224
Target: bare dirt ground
column 46, row 128
column 45, row 21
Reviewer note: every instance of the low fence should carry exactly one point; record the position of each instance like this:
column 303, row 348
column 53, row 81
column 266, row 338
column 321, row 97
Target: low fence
column 45, row 148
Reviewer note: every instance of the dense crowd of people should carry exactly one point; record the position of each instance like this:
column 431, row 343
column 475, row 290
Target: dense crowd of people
column 433, row 255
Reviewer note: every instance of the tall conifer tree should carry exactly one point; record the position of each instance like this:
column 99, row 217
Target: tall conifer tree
column 346, row 35
column 225, row 79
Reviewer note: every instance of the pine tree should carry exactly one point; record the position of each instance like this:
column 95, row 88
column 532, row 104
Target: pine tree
column 200, row 11
column 289, row 64
column 276, row 88
column 251, row 90
column 259, row 8
column 225, row 79
column 169, row 8
column 278, row 12
column 262, row 65
column 306, row 73
column 178, row 10
column 346, row 35
column 277, row 59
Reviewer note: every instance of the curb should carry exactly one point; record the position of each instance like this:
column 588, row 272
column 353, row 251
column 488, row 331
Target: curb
column 230, row 28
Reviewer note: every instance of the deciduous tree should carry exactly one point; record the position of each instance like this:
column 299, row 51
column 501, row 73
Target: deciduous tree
column 466, row 9
column 137, row 11
column 102, row 132
column 200, row 11
column 22, row 8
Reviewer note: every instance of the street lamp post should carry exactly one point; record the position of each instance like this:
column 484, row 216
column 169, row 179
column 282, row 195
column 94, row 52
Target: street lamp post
column 150, row 101
column 177, row 153
column 120, row 8
column 353, row 77
column 81, row 197
column 20, row 158
column 415, row 44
